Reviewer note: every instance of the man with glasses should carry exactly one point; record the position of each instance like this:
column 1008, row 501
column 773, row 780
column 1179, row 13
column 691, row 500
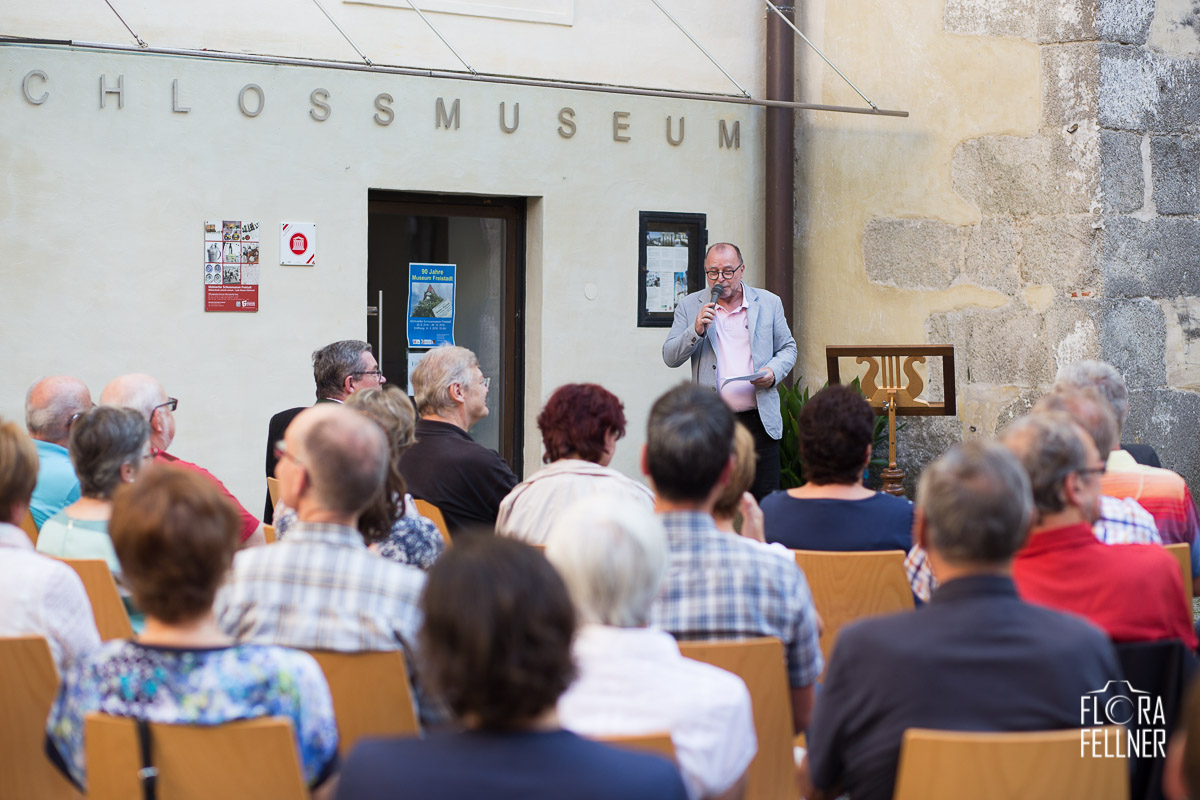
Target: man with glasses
column 744, row 333
column 1134, row 592
column 446, row 467
column 339, row 370
column 144, row 394
column 51, row 405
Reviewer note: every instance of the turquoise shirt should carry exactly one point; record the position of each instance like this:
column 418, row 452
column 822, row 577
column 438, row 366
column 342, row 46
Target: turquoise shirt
column 57, row 487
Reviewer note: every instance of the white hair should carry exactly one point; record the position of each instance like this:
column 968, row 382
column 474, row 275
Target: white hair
column 1105, row 379
column 613, row 557
column 138, row 391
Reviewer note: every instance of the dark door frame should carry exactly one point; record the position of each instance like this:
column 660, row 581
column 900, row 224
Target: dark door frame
column 513, row 211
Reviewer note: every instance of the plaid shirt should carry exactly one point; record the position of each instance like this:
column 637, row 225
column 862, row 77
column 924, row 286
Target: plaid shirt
column 1122, row 521
column 321, row 589
column 721, row 586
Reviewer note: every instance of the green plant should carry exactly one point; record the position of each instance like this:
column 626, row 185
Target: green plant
column 791, row 466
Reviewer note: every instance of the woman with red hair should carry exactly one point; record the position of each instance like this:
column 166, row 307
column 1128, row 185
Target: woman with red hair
column 580, row 426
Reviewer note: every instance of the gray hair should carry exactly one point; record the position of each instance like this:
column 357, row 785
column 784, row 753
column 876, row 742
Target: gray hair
column 438, row 370
column 1088, row 409
column 50, row 404
column 333, row 363
column 1105, row 379
column 1050, row 447
column 103, row 440
column 346, row 455
column 613, row 558
column 137, row 390
column 976, row 503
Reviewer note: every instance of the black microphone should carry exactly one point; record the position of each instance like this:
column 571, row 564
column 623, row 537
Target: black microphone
column 717, row 291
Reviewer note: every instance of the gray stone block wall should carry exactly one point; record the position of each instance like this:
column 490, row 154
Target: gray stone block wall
column 1090, row 227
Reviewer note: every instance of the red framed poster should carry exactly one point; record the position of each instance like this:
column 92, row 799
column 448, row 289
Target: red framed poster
column 231, row 265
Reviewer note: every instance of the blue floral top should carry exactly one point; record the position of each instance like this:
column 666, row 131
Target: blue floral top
column 202, row 687
column 414, row 540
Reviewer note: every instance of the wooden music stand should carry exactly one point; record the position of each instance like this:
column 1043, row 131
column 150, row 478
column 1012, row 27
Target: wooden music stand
column 892, row 385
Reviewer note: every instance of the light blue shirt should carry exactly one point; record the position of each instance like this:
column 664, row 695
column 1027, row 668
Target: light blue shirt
column 57, row 487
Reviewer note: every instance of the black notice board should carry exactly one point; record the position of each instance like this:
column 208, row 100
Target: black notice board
column 670, row 263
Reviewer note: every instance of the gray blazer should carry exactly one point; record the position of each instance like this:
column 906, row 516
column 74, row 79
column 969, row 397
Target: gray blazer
column 771, row 345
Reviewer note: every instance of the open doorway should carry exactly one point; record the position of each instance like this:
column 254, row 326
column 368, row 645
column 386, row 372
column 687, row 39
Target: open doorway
column 484, row 238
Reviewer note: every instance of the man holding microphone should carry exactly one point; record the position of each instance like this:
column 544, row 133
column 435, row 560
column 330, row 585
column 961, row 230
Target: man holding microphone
column 740, row 345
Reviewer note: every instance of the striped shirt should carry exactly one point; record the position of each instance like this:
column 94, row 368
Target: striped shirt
column 1160, row 491
column 721, row 586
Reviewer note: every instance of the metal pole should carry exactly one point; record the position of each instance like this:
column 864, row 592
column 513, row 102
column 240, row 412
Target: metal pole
column 780, row 191
column 343, row 33
column 808, row 42
column 701, row 48
column 438, row 33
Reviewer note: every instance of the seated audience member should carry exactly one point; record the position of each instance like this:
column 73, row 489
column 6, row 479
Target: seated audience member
column 833, row 510
column 1132, row 591
column 977, row 658
column 391, row 525
column 446, row 467
column 38, row 596
column 580, row 426
column 1160, row 491
column 320, row 588
column 497, row 644
column 51, row 405
column 632, row 679
column 688, row 456
column 735, row 498
column 175, row 535
column 145, row 395
column 109, row 447
column 1122, row 520
column 339, row 370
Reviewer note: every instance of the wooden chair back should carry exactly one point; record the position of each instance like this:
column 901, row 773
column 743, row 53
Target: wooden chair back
column 371, row 693
column 112, row 620
column 26, row 694
column 1040, row 765
column 1183, row 556
column 269, row 533
column 244, row 760
column 273, row 491
column 848, row 586
column 30, row 527
column 659, row 744
column 762, row 665
column 434, row 513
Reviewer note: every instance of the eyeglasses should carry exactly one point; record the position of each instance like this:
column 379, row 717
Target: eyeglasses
column 171, row 404
column 1100, row 470
column 378, row 373
column 486, row 383
column 728, row 272
column 281, row 452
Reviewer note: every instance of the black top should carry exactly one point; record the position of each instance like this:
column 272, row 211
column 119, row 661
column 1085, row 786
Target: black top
column 464, row 479
column 881, row 522
column 1142, row 454
column 550, row 765
column 275, row 430
column 977, row 658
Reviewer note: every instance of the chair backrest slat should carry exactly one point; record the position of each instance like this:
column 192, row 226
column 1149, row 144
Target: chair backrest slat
column 427, row 509
column 1183, row 556
column 659, row 744
column 112, row 620
column 30, row 527
column 371, row 693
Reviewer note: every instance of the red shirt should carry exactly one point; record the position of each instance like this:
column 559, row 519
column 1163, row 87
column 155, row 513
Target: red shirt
column 1133, row 591
column 249, row 521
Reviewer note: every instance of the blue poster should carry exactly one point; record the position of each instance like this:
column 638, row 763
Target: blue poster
column 430, row 305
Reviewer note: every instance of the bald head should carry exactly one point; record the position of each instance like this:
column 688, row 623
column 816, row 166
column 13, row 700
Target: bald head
column 143, row 394
column 51, row 403
column 345, row 454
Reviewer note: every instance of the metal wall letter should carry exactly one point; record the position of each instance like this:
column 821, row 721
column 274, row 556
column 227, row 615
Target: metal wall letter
column 33, row 73
column 672, row 139
column 444, row 119
column 318, row 99
column 619, row 124
column 119, row 91
column 516, row 118
column 383, row 103
column 175, row 98
column 566, row 118
column 724, row 139
column 262, row 99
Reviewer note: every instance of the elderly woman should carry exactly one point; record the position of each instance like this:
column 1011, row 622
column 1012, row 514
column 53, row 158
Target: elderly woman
column 175, row 535
column 392, row 526
column 833, row 510
column 108, row 446
column 497, row 643
column 580, row 426
column 632, row 679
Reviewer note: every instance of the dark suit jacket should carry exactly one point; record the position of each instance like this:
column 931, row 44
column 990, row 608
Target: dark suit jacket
column 275, row 431
column 976, row 658
column 1142, row 454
